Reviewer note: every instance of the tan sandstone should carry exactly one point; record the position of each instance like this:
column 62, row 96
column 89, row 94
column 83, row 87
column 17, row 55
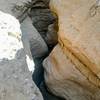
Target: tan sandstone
column 72, row 70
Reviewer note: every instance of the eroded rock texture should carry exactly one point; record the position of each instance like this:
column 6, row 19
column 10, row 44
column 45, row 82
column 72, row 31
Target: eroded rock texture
column 44, row 21
column 10, row 36
column 72, row 69
column 65, row 80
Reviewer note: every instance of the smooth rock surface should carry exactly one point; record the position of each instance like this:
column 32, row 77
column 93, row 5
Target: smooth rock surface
column 72, row 68
column 10, row 36
column 65, row 80
column 79, row 30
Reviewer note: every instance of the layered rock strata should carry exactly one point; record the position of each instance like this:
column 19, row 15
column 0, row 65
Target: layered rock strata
column 72, row 69
column 44, row 21
column 46, row 24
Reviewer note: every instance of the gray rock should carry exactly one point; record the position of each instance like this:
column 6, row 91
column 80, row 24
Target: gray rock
column 19, row 85
column 15, row 79
column 44, row 21
column 30, row 36
column 41, row 18
column 51, row 35
column 7, row 5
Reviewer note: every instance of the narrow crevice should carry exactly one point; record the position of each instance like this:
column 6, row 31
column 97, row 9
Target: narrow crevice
column 46, row 23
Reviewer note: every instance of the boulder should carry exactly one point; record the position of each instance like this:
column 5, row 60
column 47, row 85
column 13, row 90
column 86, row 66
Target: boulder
column 72, row 69
column 51, row 37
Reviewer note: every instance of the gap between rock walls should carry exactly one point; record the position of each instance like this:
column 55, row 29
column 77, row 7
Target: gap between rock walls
column 46, row 23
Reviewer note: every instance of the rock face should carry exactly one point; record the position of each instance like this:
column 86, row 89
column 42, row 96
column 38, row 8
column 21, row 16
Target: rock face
column 32, row 38
column 43, row 20
column 15, row 81
column 72, row 69
column 10, row 36
column 65, row 80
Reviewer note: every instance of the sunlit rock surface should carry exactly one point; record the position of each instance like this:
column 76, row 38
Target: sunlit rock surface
column 79, row 30
column 10, row 36
column 72, row 69
column 15, row 63
column 10, row 39
column 44, row 21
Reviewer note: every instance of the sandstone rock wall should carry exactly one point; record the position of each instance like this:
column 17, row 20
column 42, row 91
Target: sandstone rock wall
column 72, row 69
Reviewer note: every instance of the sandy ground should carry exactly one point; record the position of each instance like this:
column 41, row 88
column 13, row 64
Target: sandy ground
column 15, row 79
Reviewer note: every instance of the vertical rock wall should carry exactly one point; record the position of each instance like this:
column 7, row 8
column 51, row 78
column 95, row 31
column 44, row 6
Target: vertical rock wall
column 72, row 69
